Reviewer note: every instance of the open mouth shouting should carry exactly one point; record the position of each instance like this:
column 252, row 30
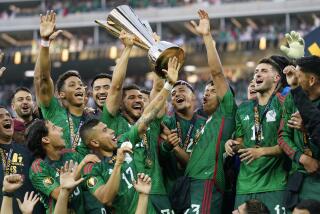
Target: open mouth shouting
column 137, row 106
column 79, row 95
column 180, row 100
column 102, row 97
column 7, row 126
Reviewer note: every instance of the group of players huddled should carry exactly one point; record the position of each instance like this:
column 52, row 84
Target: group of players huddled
column 130, row 155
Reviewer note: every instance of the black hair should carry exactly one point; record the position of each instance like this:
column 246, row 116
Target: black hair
column 254, row 206
column 20, row 89
column 129, row 87
column 313, row 206
column 35, row 132
column 210, row 82
column 182, row 82
column 310, row 64
column 3, row 107
column 86, row 127
column 101, row 76
column 145, row 91
column 62, row 78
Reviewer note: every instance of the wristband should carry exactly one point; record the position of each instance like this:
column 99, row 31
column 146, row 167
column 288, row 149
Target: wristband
column 7, row 194
column 168, row 86
column 45, row 43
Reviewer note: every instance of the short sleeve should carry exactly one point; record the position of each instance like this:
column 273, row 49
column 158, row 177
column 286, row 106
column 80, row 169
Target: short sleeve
column 41, row 178
column 51, row 110
column 107, row 117
column 227, row 104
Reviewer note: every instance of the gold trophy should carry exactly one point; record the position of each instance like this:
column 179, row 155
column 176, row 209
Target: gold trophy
column 124, row 18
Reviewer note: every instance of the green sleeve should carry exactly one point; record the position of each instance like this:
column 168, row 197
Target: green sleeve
column 92, row 173
column 132, row 135
column 52, row 110
column 228, row 105
column 286, row 134
column 239, row 129
column 107, row 118
column 41, row 179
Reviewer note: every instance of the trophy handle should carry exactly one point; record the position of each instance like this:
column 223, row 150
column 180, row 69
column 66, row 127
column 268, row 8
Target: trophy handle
column 116, row 33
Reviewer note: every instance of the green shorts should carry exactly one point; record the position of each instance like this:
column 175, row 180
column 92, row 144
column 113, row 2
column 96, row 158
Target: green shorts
column 205, row 197
column 159, row 204
column 273, row 200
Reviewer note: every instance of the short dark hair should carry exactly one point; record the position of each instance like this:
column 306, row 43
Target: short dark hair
column 145, row 91
column 254, row 206
column 313, row 206
column 310, row 64
column 210, row 82
column 35, row 132
column 100, row 76
column 20, row 89
column 129, row 87
column 3, row 107
column 86, row 127
column 61, row 79
column 182, row 82
column 272, row 63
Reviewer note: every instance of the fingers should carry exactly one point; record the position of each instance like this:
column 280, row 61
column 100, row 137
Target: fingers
column 288, row 38
column 26, row 196
column 19, row 202
column 78, row 181
column 194, row 24
column 2, row 70
column 126, row 149
column 31, row 196
column 55, row 35
column 284, row 49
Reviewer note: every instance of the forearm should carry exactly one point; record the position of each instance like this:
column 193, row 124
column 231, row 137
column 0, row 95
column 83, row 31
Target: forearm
column 157, row 85
column 62, row 202
column 271, row 151
column 6, row 207
column 181, row 155
column 119, row 74
column 108, row 192
column 142, row 204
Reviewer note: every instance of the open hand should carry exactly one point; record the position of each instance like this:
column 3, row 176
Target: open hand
column 143, row 184
column 68, row 175
column 291, row 76
column 204, row 24
column 296, row 45
column 173, row 70
column 12, row 182
column 26, row 207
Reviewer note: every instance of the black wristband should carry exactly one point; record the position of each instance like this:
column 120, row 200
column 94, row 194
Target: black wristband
column 8, row 194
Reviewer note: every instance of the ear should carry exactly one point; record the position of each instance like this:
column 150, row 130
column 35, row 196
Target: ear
column 45, row 140
column 62, row 95
column 312, row 80
column 277, row 77
column 94, row 144
column 12, row 106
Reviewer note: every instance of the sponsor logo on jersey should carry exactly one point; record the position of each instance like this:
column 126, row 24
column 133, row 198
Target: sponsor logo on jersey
column 271, row 116
column 246, row 117
column 91, row 182
column 48, row 181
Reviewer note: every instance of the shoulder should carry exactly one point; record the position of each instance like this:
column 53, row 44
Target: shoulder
column 38, row 165
column 246, row 104
column 87, row 169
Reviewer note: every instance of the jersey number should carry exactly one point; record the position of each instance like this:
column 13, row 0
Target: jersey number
column 254, row 134
column 278, row 209
column 124, row 177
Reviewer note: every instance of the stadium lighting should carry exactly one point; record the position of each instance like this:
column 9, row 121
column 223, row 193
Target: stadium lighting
column 189, row 68
column 113, row 52
column 250, row 64
column 17, row 57
column 29, row 73
column 65, row 55
column 192, row 78
column 263, row 43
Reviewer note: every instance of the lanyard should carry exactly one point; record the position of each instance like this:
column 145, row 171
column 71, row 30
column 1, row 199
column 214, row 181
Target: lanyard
column 6, row 160
column 147, row 151
column 258, row 122
column 74, row 137
column 185, row 142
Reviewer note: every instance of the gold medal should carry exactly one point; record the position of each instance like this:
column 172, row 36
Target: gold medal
column 148, row 162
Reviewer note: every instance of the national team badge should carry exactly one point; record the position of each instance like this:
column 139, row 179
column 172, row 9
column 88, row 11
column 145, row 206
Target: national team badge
column 48, row 181
column 91, row 182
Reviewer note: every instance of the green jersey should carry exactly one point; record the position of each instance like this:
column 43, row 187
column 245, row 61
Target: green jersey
column 186, row 130
column 265, row 173
column 60, row 116
column 141, row 153
column 292, row 141
column 44, row 176
column 206, row 161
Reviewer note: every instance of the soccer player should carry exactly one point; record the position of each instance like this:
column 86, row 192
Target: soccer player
column 183, row 126
column 262, row 175
column 23, row 106
column 15, row 158
column 251, row 93
column 295, row 141
column 205, row 166
column 100, row 86
column 93, row 137
column 46, row 142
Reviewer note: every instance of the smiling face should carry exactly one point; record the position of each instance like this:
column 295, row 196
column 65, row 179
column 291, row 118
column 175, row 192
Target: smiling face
column 309, row 82
column 210, row 99
column 6, row 124
column 103, row 137
column 55, row 135
column 73, row 91
column 182, row 98
column 22, row 104
column 133, row 104
column 266, row 78
column 100, row 90
column 251, row 92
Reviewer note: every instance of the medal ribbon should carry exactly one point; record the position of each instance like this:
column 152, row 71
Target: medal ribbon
column 184, row 143
column 6, row 160
column 74, row 137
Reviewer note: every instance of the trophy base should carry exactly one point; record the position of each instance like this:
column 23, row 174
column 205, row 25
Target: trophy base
column 160, row 53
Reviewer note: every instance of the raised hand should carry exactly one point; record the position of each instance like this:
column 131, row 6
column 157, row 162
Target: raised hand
column 2, row 69
column 67, row 176
column 12, row 182
column 296, row 45
column 121, row 154
column 291, row 76
column 143, row 184
column 173, row 70
column 204, row 24
column 48, row 26
column 26, row 207
column 126, row 38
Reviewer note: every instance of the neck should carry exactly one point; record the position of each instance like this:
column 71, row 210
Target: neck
column 314, row 94
column 54, row 154
column 25, row 119
column 75, row 110
column 102, row 154
column 187, row 114
column 5, row 140
column 263, row 97
column 128, row 118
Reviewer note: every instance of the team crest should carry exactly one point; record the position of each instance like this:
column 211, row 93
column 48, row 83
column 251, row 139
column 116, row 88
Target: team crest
column 271, row 116
column 91, row 182
column 48, row 181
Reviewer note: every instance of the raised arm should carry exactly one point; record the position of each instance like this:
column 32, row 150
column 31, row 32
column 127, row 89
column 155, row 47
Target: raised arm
column 114, row 96
column 2, row 69
column 213, row 58
column 42, row 78
column 159, row 101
